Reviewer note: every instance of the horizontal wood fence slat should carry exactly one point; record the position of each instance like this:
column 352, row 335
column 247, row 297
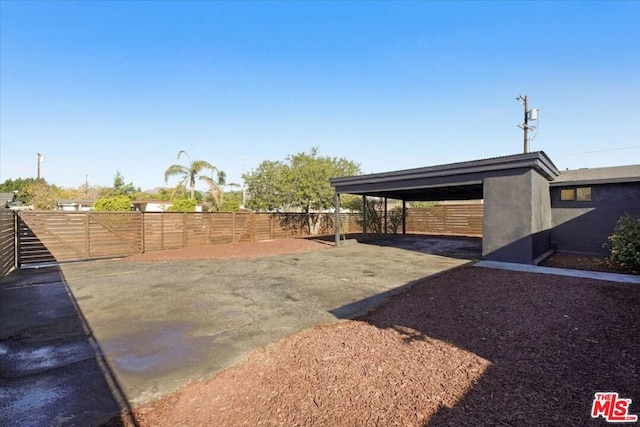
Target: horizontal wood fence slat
column 66, row 236
column 7, row 242
column 464, row 219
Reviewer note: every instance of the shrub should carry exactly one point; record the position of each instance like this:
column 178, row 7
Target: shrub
column 625, row 242
column 394, row 219
column 375, row 215
column 114, row 203
column 183, row 205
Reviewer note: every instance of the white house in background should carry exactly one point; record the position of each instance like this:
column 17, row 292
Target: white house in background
column 155, row 206
column 151, row 205
column 76, row 205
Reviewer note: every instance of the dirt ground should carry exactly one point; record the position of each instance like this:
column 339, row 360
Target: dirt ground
column 472, row 346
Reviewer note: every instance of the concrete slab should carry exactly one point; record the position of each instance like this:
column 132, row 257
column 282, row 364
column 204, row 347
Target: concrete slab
column 134, row 331
column 454, row 247
column 611, row 277
column 51, row 373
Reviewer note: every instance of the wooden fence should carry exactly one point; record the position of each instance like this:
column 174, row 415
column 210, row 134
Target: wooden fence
column 68, row 236
column 65, row 236
column 463, row 219
column 7, row 243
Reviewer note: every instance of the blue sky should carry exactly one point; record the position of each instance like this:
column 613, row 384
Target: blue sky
column 101, row 87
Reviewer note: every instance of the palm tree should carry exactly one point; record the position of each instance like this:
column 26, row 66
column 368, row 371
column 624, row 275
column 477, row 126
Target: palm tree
column 215, row 188
column 189, row 174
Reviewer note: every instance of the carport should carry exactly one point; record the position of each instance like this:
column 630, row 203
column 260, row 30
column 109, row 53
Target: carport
column 515, row 192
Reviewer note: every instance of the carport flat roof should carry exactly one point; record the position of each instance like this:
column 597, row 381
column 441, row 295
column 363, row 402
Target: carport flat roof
column 455, row 181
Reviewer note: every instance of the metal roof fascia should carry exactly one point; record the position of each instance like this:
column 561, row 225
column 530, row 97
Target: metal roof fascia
column 549, row 171
column 458, row 166
column 537, row 160
column 408, row 187
column 370, row 180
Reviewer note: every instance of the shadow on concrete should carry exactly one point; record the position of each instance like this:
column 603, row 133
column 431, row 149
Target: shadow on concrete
column 31, row 249
column 459, row 247
column 551, row 344
column 52, row 370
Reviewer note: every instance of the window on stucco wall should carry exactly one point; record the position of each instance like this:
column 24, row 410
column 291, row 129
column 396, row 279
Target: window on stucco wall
column 580, row 194
column 583, row 194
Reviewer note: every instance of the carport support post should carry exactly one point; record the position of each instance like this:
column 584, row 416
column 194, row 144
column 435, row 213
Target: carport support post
column 364, row 216
column 404, row 217
column 385, row 215
column 337, row 220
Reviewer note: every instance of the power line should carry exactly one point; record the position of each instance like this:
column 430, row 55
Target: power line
column 598, row 151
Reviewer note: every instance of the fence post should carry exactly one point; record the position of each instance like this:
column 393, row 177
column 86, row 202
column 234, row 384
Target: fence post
column 210, row 227
column 142, row 236
column 233, row 227
column 162, row 230
column 87, row 233
column 16, row 242
column 184, row 229
column 444, row 218
column 252, row 226
column 270, row 227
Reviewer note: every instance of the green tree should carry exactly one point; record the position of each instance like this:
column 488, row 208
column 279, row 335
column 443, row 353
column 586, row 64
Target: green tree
column 41, row 195
column 18, row 184
column 165, row 194
column 375, row 213
column 232, row 201
column 194, row 171
column 216, row 194
column 177, row 193
column 32, row 191
column 113, row 203
column 183, row 205
column 268, row 187
column 301, row 181
column 120, row 188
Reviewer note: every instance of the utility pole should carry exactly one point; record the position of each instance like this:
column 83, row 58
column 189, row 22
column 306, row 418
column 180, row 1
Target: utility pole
column 244, row 159
column 525, row 125
column 528, row 115
column 40, row 159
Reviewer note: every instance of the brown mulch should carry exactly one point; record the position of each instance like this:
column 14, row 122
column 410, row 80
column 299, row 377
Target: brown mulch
column 473, row 346
column 586, row 262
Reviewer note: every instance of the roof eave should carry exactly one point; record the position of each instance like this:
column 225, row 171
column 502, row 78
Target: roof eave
column 536, row 160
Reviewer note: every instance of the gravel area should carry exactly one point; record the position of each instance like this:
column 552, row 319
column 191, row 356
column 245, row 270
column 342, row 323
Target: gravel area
column 472, row 346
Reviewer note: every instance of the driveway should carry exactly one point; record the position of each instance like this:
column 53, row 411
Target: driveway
column 81, row 341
